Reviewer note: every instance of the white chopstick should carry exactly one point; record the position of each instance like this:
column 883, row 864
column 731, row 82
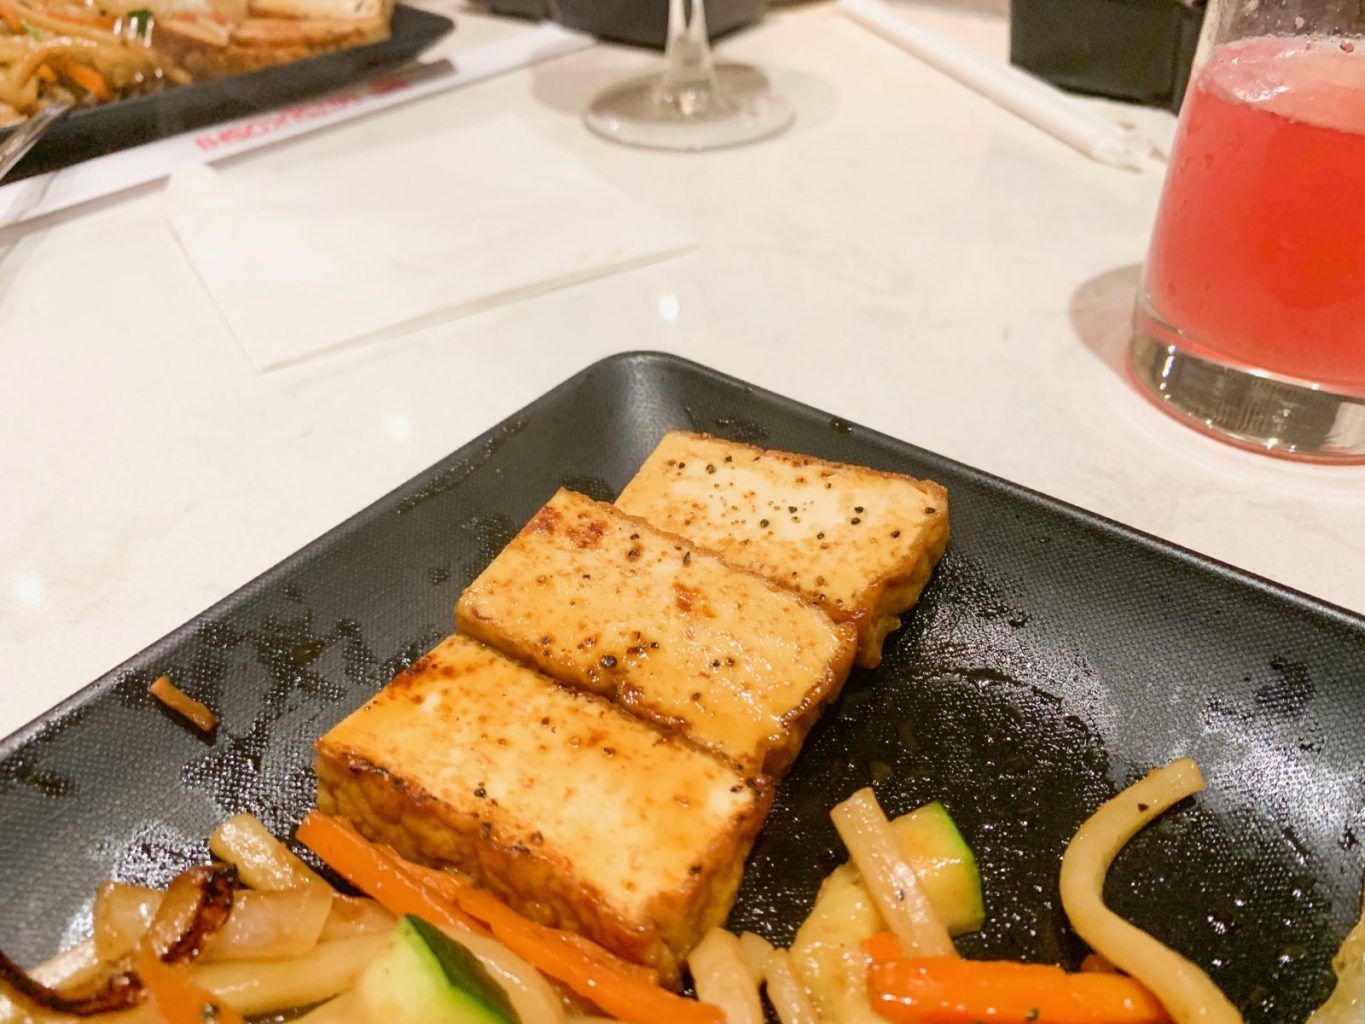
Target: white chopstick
column 1017, row 91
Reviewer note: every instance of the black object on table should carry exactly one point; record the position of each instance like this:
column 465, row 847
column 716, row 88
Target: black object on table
column 630, row 21
column 1140, row 51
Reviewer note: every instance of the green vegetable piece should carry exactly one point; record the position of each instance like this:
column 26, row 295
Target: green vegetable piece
column 426, row 977
column 141, row 20
column 33, row 30
column 930, row 841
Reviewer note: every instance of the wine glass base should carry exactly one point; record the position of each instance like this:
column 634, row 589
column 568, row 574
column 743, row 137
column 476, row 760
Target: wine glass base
column 739, row 110
column 1261, row 412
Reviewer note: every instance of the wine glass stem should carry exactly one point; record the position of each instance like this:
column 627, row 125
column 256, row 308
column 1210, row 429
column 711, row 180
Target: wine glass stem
column 689, row 52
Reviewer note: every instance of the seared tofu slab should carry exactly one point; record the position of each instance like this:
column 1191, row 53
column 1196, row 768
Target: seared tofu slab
column 571, row 810
column 607, row 603
column 858, row 542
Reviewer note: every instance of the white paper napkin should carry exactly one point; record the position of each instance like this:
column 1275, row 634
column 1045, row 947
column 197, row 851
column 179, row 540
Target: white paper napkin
column 362, row 245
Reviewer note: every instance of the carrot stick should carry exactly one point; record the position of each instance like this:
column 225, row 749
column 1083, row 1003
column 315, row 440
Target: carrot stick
column 621, row 992
column 376, row 870
column 453, row 890
column 12, row 18
column 883, row 946
column 176, row 999
column 200, row 715
column 87, row 78
column 947, row 990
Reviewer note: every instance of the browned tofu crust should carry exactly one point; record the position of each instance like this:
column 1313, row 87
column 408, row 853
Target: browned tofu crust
column 605, row 602
column 573, row 812
column 860, row 543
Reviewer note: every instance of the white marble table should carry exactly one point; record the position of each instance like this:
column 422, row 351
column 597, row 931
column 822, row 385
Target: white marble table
column 908, row 257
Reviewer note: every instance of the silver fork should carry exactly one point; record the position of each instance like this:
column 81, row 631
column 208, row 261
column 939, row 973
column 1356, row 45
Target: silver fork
column 22, row 139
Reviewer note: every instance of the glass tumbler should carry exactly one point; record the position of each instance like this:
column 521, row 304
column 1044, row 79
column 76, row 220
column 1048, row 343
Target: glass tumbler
column 1250, row 322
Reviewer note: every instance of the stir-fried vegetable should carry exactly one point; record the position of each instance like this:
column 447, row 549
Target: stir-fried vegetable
column 269, row 986
column 722, row 978
column 534, row 999
column 425, row 976
column 949, row 990
column 890, row 878
column 175, row 998
column 121, row 916
column 789, row 999
column 140, row 21
column 627, row 992
column 1186, row 991
column 263, row 923
column 755, row 950
column 195, row 905
column 378, row 871
column 116, row 992
column 283, row 923
column 355, row 915
column 261, row 860
column 406, row 888
column 200, row 715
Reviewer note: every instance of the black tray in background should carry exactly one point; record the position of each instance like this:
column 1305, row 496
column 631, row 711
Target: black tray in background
column 1054, row 657
column 96, row 131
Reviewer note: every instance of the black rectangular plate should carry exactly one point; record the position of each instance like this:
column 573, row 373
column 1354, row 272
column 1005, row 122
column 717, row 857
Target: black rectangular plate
column 97, row 131
column 1055, row 656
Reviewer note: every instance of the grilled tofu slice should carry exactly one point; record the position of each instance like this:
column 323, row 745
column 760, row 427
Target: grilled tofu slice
column 607, row 603
column 858, row 542
column 571, row 810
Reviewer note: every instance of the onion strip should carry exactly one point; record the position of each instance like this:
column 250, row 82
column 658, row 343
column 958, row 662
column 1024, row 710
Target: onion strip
column 1186, row 992
column 722, row 978
column 266, row 925
column 121, row 991
column 891, row 879
column 789, row 999
column 196, row 904
column 534, row 999
column 253, row 987
column 262, row 861
column 122, row 915
column 355, row 915
column 755, row 950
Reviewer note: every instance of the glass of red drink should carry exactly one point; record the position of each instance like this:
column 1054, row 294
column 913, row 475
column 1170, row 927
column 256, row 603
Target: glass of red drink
column 1250, row 323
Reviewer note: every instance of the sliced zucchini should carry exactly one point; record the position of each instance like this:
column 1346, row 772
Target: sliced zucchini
column 426, row 977
column 930, row 841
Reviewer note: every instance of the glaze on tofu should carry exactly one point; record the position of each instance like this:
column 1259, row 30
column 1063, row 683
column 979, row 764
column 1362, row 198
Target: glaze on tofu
column 858, row 542
column 569, row 809
column 605, row 602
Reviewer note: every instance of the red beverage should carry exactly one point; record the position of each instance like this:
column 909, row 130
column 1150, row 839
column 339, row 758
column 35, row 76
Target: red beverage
column 1258, row 254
